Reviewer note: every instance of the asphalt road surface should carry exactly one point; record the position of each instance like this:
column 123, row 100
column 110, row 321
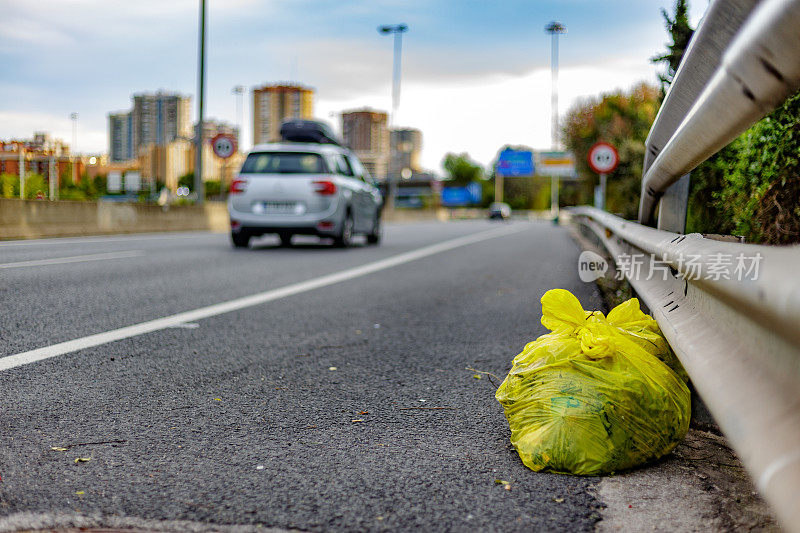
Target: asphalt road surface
column 331, row 393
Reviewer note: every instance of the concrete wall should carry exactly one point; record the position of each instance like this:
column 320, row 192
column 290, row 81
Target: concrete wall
column 31, row 219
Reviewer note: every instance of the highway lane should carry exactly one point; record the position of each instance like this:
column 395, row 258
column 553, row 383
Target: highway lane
column 51, row 303
column 299, row 412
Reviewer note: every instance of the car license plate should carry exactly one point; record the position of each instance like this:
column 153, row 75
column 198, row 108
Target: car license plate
column 278, row 207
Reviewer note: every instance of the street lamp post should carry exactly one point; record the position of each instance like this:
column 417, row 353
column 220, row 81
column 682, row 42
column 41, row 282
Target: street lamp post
column 554, row 29
column 201, row 83
column 238, row 91
column 398, row 30
column 74, row 151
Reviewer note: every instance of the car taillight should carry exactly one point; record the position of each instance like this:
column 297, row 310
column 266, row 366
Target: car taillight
column 238, row 186
column 324, row 187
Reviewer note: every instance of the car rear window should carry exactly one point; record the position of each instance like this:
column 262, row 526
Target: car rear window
column 284, row 163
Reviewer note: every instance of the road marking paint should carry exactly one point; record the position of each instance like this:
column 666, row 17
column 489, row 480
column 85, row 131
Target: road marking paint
column 73, row 259
column 39, row 354
column 100, row 239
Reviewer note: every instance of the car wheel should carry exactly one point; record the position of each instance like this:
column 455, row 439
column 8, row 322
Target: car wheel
column 345, row 236
column 286, row 239
column 374, row 237
column 240, row 240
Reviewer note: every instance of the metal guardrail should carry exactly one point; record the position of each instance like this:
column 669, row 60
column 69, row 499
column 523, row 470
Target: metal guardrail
column 702, row 58
column 759, row 69
column 737, row 336
column 738, row 340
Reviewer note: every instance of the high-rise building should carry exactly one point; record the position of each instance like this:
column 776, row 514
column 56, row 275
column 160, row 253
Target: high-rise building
column 406, row 146
column 120, row 137
column 272, row 104
column 156, row 119
column 160, row 118
column 365, row 132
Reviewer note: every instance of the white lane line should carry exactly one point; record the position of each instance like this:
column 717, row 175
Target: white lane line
column 98, row 239
column 39, row 354
column 73, row 259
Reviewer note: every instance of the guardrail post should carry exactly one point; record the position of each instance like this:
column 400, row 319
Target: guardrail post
column 673, row 207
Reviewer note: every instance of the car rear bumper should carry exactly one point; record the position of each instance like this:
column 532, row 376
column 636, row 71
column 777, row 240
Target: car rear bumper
column 324, row 224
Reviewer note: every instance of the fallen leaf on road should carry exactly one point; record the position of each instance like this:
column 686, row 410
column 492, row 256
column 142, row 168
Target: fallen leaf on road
column 82, row 459
column 58, row 448
column 357, row 420
column 260, row 467
column 363, row 412
column 79, row 492
column 558, row 500
column 507, row 486
column 217, row 399
column 501, row 482
column 476, row 376
column 331, row 368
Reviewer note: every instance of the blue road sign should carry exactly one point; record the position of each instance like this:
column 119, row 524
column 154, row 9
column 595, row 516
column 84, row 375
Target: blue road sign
column 461, row 196
column 513, row 163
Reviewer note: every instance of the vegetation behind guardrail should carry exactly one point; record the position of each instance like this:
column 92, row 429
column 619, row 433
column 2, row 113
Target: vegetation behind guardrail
column 752, row 186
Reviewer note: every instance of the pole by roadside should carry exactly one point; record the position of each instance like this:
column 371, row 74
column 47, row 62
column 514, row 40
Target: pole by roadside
column 602, row 190
column 498, row 187
column 21, row 172
column 201, row 81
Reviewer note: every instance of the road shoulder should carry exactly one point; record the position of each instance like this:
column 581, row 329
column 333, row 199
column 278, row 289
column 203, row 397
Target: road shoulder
column 700, row 486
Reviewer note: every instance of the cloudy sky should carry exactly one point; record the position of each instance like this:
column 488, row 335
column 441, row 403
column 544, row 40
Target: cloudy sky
column 475, row 72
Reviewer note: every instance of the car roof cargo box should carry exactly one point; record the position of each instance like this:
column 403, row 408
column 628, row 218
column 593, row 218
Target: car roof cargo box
column 308, row 131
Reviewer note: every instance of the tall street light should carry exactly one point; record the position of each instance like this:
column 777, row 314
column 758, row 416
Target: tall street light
column 554, row 29
column 398, row 30
column 201, row 83
column 238, row 91
column 74, row 118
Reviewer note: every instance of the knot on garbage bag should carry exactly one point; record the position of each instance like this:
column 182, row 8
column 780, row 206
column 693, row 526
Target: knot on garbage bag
column 596, row 341
column 563, row 314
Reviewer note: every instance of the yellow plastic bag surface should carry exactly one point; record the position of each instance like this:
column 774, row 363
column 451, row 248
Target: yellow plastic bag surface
column 592, row 396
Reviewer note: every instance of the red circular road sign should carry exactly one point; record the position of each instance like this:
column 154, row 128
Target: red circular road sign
column 603, row 158
column 224, row 145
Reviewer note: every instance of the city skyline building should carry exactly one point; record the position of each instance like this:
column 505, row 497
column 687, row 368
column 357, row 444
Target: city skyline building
column 272, row 104
column 405, row 150
column 366, row 132
column 154, row 119
column 160, row 118
column 120, row 137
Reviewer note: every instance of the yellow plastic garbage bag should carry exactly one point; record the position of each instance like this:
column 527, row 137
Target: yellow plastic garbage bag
column 642, row 329
column 592, row 397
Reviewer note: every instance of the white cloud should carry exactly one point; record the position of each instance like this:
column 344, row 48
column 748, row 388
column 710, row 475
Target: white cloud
column 481, row 116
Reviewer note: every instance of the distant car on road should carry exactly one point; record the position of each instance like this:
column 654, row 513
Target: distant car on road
column 307, row 185
column 499, row 210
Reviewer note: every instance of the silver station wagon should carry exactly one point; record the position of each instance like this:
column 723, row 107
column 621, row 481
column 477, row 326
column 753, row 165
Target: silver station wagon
column 304, row 188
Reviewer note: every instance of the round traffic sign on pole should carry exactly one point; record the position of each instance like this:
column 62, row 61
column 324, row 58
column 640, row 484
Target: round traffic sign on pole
column 603, row 158
column 224, row 145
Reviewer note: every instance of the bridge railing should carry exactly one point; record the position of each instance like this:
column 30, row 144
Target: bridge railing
column 731, row 311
